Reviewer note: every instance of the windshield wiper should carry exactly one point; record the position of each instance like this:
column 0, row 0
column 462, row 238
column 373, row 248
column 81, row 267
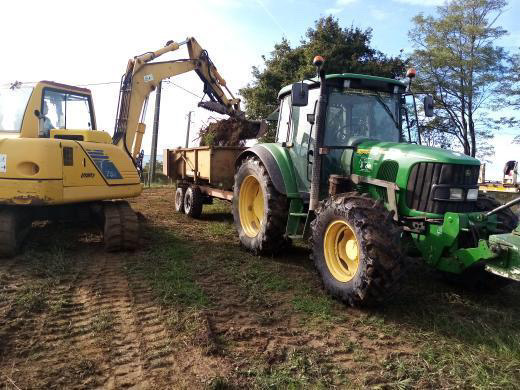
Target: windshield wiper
column 387, row 109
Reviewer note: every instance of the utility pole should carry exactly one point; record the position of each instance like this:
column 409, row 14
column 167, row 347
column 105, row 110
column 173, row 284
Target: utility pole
column 188, row 130
column 153, row 157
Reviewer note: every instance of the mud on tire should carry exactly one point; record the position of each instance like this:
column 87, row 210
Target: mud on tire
column 270, row 237
column 380, row 259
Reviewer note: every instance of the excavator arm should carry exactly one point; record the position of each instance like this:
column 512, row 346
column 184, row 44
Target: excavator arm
column 143, row 76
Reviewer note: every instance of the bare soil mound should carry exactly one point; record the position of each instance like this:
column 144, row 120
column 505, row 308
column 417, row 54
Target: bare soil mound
column 228, row 132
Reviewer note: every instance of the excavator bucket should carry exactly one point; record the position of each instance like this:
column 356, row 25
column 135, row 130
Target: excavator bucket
column 247, row 129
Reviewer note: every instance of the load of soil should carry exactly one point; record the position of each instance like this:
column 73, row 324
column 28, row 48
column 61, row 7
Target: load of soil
column 228, row 132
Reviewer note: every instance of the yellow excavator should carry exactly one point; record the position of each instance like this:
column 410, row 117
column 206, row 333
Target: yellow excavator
column 55, row 163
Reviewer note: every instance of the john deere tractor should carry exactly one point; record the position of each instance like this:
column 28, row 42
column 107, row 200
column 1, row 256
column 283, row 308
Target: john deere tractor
column 348, row 172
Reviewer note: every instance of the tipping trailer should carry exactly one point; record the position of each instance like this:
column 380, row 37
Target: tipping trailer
column 201, row 173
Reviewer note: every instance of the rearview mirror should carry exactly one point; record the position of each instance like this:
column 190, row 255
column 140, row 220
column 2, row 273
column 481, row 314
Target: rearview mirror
column 300, row 94
column 428, row 106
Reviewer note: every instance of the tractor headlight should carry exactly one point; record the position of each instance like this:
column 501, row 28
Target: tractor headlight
column 456, row 193
column 472, row 194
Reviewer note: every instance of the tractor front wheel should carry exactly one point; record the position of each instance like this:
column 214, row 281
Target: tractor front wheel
column 356, row 249
column 507, row 220
column 259, row 210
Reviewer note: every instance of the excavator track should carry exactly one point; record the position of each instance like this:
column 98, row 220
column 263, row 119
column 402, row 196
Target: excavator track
column 121, row 227
column 14, row 226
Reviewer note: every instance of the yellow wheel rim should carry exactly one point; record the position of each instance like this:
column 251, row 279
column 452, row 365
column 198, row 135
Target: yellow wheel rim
column 341, row 250
column 251, row 206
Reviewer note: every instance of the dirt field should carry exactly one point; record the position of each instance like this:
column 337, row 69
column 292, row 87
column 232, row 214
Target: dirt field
column 193, row 310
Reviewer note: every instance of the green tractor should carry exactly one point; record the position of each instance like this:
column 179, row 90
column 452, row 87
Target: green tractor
column 347, row 172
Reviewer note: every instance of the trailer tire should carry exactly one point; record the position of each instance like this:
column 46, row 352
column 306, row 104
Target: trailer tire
column 356, row 248
column 180, row 192
column 193, row 201
column 259, row 211
column 508, row 220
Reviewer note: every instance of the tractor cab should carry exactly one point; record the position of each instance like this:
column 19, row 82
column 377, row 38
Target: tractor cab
column 359, row 108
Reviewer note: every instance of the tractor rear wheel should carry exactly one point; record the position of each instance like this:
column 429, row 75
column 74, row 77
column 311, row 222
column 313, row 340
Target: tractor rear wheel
column 356, row 249
column 507, row 220
column 14, row 226
column 259, row 210
column 121, row 227
column 180, row 192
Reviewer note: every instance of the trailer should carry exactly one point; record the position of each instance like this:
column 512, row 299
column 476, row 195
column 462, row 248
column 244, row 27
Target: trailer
column 201, row 174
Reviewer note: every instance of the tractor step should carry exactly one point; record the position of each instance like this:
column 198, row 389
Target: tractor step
column 300, row 215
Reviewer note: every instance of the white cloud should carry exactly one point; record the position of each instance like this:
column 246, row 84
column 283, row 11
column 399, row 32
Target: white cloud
column 339, row 6
column 426, row 3
column 82, row 56
column 377, row 14
column 333, row 11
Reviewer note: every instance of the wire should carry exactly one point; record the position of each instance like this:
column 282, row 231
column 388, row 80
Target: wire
column 184, row 89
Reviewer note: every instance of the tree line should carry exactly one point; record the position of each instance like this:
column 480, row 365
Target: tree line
column 458, row 61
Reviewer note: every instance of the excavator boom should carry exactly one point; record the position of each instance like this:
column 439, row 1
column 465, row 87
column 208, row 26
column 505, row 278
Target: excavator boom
column 143, row 76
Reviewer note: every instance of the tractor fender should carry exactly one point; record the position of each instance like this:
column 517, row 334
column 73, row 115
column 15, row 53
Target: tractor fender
column 278, row 165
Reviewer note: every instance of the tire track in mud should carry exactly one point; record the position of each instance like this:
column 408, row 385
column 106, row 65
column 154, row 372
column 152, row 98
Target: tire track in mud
column 95, row 332
column 127, row 327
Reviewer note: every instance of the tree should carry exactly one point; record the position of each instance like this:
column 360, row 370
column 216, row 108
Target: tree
column 457, row 60
column 345, row 50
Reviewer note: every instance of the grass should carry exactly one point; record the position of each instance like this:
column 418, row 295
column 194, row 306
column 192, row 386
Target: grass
column 301, row 368
column 167, row 265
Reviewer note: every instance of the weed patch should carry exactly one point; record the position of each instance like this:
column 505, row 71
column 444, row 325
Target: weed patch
column 168, row 266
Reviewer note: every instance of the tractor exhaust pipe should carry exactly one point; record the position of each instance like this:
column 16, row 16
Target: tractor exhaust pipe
column 320, row 121
column 504, row 206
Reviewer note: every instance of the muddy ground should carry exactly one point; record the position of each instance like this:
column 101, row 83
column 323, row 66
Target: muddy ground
column 193, row 310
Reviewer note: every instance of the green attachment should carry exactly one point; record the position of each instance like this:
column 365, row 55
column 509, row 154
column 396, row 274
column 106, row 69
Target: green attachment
column 508, row 248
column 440, row 244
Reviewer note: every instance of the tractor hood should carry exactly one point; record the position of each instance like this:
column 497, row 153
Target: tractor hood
column 412, row 153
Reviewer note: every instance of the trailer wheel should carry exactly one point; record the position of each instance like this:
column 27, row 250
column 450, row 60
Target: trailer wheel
column 193, row 200
column 356, row 249
column 508, row 220
column 259, row 211
column 180, row 192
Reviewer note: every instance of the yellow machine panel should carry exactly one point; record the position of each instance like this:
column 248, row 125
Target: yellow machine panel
column 82, row 135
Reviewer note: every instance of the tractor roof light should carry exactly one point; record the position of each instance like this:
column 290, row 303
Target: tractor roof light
column 318, row 61
column 411, row 73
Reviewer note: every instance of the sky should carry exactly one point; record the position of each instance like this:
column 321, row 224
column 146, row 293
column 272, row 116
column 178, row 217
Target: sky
column 90, row 42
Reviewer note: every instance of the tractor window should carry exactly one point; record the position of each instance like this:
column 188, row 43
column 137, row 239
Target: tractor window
column 13, row 102
column 283, row 120
column 64, row 110
column 367, row 115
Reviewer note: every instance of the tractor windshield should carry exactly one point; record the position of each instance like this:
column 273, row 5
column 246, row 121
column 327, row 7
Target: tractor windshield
column 13, row 102
column 361, row 114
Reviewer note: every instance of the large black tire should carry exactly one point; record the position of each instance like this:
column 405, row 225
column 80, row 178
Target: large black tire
column 14, row 226
column 180, row 192
column 121, row 227
column 193, row 201
column 508, row 220
column 380, row 262
column 269, row 236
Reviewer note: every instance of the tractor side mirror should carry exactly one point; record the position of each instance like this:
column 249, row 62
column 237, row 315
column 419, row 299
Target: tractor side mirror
column 428, row 106
column 300, row 94
column 311, row 118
